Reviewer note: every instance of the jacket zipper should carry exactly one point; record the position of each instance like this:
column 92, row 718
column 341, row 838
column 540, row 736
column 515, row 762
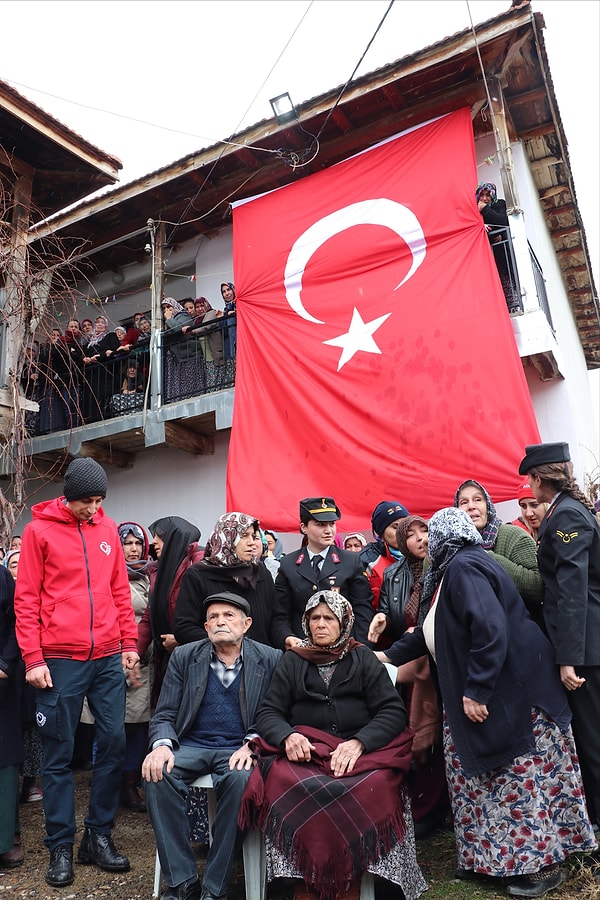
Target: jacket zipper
column 91, row 596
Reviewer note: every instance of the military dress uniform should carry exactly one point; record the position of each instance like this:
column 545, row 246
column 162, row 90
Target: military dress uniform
column 569, row 561
column 297, row 581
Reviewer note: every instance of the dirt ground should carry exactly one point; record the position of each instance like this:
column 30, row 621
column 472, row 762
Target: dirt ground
column 133, row 836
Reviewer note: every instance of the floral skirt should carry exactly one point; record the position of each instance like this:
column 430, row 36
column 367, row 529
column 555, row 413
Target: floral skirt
column 521, row 818
column 398, row 866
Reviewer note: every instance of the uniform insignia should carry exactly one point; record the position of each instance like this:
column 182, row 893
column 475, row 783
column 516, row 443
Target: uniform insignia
column 567, row 537
column 300, row 559
column 106, row 548
column 335, row 558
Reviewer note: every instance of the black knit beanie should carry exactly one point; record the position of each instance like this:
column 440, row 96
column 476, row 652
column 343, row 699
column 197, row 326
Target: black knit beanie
column 85, row 478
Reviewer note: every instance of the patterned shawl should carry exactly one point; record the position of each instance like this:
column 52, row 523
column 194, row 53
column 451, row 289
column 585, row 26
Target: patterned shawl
column 411, row 611
column 489, row 532
column 342, row 610
column 220, row 547
column 449, row 530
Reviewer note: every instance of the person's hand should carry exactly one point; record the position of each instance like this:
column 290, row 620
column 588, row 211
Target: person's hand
column 297, row 747
column 134, row 676
column 169, row 642
column 39, row 677
column 128, row 659
column 343, row 759
column 292, row 641
column 377, row 627
column 242, row 758
column 481, row 204
column 108, row 352
column 570, row 678
column 476, row 712
column 153, row 765
column 3, row 674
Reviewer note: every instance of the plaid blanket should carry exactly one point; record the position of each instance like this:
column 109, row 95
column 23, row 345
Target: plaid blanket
column 331, row 828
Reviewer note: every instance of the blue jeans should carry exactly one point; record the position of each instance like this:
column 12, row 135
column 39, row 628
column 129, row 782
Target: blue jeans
column 58, row 713
column 166, row 802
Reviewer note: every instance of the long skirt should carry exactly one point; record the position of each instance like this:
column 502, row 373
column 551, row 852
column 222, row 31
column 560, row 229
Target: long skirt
column 521, row 818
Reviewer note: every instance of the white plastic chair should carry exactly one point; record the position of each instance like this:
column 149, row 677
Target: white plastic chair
column 255, row 864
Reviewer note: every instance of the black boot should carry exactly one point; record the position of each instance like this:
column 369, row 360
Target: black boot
column 60, row 871
column 100, row 850
column 129, row 797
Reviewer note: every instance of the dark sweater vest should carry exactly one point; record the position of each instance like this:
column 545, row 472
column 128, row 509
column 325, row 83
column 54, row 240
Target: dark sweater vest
column 218, row 721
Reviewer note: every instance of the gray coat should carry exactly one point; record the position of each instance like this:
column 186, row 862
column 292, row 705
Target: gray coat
column 185, row 683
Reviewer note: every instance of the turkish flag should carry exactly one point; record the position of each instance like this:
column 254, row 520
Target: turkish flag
column 375, row 354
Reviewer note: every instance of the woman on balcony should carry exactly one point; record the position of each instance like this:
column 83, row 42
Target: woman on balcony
column 183, row 359
column 99, row 371
column 493, row 213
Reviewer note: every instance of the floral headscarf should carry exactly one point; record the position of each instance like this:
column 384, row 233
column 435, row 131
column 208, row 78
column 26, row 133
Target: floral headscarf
column 342, row 610
column 450, row 530
column 173, row 304
column 486, row 186
column 229, row 528
column 489, row 532
column 95, row 338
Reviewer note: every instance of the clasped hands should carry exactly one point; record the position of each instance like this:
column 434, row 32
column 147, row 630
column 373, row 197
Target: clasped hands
column 343, row 759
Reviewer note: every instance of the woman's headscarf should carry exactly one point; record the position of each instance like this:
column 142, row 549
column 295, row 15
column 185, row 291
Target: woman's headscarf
column 342, row 610
column 95, row 338
column 173, row 304
column 230, row 285
column 137, row 569
column 177, row 534
column 220, row 547
column 489, row 533
column 359, row 537
column 411, row 611
column 450, row 530
column 486, row 186
column 9, row 555
column 278, row 549
column 229, row 528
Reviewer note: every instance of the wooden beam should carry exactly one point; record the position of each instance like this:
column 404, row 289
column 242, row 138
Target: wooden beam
column 107, row 455
column 179, row 436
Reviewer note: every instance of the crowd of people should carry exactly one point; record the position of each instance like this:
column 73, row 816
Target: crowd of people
column 90, row 372
column 266, row 671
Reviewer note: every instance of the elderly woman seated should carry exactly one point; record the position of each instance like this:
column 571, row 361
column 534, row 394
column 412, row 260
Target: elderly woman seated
column 328, row 790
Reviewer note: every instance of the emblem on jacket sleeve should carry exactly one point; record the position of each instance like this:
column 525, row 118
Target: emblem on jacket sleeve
column 567, row 537
column 106, row 548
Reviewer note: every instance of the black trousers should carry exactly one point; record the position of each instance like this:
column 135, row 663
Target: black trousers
column 585, row 706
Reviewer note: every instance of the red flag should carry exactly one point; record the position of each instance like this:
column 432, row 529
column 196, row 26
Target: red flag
column 375, row 352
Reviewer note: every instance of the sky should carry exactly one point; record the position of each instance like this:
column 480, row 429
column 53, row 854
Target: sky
column 199, row 71
column 151, row 82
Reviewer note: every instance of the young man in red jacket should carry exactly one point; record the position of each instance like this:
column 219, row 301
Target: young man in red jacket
column 77, row 633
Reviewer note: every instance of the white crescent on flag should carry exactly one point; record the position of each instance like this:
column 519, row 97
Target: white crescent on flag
column 381, row 211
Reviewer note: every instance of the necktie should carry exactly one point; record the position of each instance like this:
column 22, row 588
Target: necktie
column 316, row 564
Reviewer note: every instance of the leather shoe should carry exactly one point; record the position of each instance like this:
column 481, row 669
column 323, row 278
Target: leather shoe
column 100, row 850
column 183, row 892
column 60, row 871
column 207, row 895
column 528, row 887
column 13, row 857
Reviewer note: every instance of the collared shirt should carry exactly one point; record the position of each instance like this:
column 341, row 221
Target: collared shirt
column 226, row 674
column 322, row 553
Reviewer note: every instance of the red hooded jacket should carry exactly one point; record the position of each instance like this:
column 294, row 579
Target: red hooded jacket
column 72, row 597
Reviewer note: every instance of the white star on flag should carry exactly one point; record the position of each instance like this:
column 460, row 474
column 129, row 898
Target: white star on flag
column 358, row 337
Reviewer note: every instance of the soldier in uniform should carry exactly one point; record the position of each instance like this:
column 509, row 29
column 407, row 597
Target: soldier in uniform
column 569, row 561
column 318, row 566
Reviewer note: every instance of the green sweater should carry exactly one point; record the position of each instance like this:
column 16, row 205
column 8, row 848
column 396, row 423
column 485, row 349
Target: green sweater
column 517, row 554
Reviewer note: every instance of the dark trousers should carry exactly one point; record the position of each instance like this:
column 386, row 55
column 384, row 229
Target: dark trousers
column 585, row 706
column 166, row 801
column 58, row 712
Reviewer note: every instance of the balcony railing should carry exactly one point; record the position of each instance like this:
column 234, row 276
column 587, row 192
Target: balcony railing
column 504, row 254
column 191, row 365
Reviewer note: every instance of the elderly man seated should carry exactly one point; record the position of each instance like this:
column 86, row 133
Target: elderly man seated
column 202, row 724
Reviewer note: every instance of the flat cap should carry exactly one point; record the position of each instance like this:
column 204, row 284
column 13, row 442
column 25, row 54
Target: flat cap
column 542, row 455
column 228, row 597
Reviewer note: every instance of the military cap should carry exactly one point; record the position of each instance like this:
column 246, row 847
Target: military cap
column 323, row 509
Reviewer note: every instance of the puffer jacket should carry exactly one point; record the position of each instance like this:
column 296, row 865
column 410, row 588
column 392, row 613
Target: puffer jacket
column 72, row 599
